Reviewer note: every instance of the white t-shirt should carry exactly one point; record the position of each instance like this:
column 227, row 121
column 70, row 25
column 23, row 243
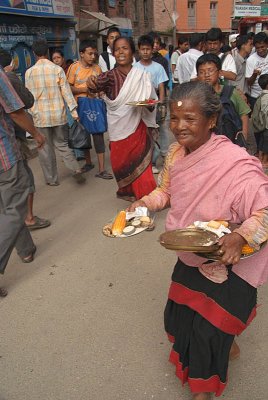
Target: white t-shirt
column 186, row 64
column 228, row 65
column 173, row 61
column 256, row 62
column 156, row 71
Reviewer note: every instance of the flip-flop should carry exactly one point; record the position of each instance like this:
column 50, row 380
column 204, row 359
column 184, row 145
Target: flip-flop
column 38, row 224
column 30, row 257
column 87, row 167
column 104, row 175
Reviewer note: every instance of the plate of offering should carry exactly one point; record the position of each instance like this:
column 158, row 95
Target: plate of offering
column 190, row 239
column 127, row 224
column 143, row 103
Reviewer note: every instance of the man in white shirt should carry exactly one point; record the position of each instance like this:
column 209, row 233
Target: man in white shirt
column 186, row 62
column 244, row 47
column 213, row 46
column 256, row 65
column 158, row 78
column 183, row 46
column 106, row 59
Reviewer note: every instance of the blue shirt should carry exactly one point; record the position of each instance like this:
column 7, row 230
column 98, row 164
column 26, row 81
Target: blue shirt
column 9, row 102
column 156, row 71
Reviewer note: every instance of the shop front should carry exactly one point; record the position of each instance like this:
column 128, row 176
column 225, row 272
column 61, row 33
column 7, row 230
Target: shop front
column 22, row 22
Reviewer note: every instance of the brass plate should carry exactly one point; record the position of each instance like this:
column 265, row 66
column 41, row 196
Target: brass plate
column 190, row 239
column 216, row 257
column 142, row 103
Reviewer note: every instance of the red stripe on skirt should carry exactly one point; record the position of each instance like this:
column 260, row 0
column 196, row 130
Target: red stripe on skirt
column 197, row 385
column 127, row 156
column 208, row 308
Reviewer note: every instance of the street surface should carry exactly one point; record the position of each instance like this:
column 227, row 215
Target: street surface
column 84, row 321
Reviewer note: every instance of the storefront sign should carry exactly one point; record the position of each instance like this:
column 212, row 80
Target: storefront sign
column 247, row 11
column 39, row 8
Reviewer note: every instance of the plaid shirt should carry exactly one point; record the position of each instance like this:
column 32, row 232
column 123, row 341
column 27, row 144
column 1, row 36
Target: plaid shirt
column 47, row 82
column 9, row 102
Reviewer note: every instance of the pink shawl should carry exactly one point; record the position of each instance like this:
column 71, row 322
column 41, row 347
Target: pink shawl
column 219, row 181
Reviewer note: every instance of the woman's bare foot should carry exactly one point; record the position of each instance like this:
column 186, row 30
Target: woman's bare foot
column 234, row 352
column 201, row 396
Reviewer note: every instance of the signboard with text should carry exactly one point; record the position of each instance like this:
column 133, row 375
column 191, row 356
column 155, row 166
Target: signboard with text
column 38, row 8
column 247, row 11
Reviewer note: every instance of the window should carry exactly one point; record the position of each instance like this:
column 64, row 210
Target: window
column 145, row 8
column 191, row 14
column 213, row 13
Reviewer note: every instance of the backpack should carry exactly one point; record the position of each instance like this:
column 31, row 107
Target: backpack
column 229, row 122
column 105, row 56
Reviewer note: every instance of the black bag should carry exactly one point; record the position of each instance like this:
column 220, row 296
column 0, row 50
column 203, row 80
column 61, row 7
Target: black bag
column 229, row 122
column 78, row 137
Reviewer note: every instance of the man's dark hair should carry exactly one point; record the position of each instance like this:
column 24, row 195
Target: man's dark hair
column 145, row 40
column 182, row 39
column 5, row 58
column 241, row 40
column 260, row 37
column 214, row 34
column 40, row 47
column 263, row 81
column 195, row 39
column 155, row 36
column 226, row 48
column 129, row 40
column 112, row 30
column 85, row 44
column 208, row 58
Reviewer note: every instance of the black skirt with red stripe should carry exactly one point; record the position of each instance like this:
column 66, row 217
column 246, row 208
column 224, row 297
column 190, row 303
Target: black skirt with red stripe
column 201, row 320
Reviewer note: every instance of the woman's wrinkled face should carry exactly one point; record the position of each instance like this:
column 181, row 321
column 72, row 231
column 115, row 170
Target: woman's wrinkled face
column 189, row 126
column 122, row 52
column 58, row 59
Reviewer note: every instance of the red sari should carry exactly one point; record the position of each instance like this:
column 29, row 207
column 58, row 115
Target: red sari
column 131, row 158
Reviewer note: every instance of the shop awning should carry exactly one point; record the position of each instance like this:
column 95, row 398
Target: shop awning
column 99, row 22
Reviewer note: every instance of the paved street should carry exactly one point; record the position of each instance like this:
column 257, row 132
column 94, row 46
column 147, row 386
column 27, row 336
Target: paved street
column 84, row 321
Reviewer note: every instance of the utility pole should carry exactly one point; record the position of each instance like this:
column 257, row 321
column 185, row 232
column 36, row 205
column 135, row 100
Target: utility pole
column 174, row 40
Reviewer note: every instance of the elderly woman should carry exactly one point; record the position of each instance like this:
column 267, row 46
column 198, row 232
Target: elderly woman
column 130, row 143
column 206, row 177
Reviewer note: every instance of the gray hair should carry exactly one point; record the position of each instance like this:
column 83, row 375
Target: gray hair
column 200, row 92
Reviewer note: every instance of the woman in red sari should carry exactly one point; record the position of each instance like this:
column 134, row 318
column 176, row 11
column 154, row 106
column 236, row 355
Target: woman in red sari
column 128, row 126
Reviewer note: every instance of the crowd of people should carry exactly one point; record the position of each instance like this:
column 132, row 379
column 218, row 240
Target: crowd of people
column 209, row 92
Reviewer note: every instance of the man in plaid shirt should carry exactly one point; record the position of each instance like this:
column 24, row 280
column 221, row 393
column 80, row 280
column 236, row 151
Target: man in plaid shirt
column 47, row 82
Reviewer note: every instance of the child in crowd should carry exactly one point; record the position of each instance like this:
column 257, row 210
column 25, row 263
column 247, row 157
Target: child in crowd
column 260, row 120
column 77, row 76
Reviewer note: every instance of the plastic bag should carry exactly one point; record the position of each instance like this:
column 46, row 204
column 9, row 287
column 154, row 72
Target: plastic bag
column 78, row 137
column 92, row 114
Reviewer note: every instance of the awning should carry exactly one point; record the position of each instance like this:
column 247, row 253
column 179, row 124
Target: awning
column 99, row 22
column 253, row 20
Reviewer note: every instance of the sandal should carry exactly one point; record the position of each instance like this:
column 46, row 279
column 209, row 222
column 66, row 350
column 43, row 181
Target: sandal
column 104, row 175
column 3, row 292
column 39, row 223
column 30, row 258
column 87, row 167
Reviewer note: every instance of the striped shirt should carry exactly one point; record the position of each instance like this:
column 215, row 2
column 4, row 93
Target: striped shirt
column 49, row 86
column 9, row 102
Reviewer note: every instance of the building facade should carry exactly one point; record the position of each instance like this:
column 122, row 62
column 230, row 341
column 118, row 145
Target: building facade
column 201, row 15
column 23, row 21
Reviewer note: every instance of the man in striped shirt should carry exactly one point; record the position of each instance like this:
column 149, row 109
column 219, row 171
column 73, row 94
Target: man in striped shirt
column 48, row 84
